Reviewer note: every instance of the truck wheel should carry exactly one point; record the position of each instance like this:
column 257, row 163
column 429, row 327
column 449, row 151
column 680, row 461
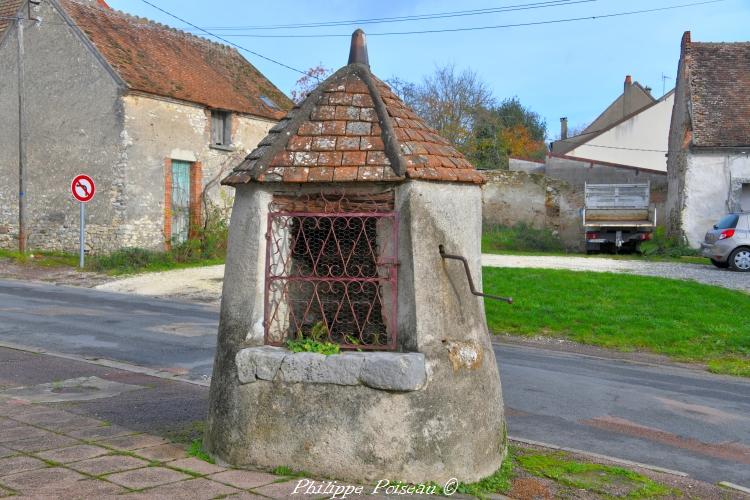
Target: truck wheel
column 739, row 260
column 720, row 264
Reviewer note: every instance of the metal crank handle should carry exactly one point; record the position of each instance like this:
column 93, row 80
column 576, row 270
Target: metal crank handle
column 474, row 291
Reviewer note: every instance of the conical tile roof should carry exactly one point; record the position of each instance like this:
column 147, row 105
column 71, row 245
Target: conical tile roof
column 353, row 128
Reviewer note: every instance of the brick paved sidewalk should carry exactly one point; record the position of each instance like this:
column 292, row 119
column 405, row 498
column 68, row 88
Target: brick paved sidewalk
column 47, row 452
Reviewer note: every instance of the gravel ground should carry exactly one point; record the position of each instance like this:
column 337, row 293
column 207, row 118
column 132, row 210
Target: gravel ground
column 707, row 274
column 197, row 284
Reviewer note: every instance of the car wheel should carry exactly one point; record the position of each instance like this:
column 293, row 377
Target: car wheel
column 720, row 264
column 739, row 260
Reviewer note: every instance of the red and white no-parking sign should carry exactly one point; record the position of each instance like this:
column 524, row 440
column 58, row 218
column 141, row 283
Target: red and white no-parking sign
column 83, row 188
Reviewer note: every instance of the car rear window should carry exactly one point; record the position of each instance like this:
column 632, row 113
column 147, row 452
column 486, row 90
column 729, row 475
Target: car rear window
column 728, row 222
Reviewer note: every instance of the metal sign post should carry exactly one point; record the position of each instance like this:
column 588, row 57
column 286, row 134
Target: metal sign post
column 83, row 190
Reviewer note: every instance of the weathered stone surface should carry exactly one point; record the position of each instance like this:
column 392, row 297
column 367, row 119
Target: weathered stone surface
column 451, row 427
column 393, row 371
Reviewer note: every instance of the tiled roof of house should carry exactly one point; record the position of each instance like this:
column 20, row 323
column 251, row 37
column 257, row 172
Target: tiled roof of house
column 156, row 59
column 8, row 10
column 353, row 128
column 719, row 80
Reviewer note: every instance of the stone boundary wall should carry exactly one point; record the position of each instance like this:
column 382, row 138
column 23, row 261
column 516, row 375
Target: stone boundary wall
column 537, row 200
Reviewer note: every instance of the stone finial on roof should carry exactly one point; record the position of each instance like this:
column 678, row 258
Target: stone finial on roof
column 358, row 49
column 353, row 128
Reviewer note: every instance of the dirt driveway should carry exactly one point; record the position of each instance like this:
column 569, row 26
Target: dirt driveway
column 707, row 274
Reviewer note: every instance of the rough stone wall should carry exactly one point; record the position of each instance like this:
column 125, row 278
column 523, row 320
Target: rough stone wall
column 680, row 135
column 713, row 187
column 159, row 129
column 579, row 172
column 540, row 201
column 74, row 121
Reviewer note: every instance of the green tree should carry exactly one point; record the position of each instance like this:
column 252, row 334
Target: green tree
column 460, row 106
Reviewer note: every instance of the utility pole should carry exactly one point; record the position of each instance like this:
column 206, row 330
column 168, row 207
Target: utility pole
column 21, row 141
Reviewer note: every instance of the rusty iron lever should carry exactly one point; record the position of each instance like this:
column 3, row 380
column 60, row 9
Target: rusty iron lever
column 444, row 255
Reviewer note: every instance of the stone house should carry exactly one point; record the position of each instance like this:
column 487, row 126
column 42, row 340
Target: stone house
column 709, row 138
column 155, row 115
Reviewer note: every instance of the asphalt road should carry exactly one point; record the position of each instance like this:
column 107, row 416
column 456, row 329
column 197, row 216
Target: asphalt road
column 667, row 416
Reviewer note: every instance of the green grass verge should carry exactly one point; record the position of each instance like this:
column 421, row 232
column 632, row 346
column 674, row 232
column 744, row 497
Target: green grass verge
column 605, row 480
column 685, row 320
column 41, row 258
column 125, row 261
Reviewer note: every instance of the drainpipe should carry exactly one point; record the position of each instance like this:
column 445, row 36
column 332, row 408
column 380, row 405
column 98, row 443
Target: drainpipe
column 21, row 141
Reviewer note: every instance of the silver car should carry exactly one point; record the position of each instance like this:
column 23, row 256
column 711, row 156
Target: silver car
column 728, row 243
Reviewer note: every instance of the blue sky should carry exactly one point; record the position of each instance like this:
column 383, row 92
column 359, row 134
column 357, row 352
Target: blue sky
column 570, row 69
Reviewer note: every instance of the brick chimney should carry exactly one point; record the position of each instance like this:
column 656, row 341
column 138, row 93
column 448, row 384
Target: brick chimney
column 627, row 96
column 563, row 128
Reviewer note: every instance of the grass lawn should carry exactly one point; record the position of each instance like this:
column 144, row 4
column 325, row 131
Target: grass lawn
column 522, row 239
column 685, row 320
column 41, row 258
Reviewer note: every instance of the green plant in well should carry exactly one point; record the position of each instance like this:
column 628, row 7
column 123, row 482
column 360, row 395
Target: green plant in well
column 315, row 340
column 309, row 345
column 706, row 323
column 590, row 477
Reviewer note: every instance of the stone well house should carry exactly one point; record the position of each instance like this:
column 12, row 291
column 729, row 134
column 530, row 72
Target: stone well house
column 709, row 138
column 155, row 115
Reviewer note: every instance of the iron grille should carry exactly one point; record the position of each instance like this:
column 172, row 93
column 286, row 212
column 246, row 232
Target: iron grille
column 331, row 273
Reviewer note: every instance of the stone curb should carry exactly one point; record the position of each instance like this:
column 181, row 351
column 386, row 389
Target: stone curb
column 598, row 456
column 120, row 365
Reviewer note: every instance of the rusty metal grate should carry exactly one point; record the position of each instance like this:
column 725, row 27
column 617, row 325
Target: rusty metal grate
column 331, row 271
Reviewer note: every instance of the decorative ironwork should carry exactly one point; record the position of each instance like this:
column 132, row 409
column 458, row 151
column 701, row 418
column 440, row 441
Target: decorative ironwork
column 331, row 270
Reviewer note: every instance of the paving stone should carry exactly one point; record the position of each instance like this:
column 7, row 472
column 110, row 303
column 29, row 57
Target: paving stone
column 41, row 416
column 147, row 477
column 87, row 489
column 244, row 496
column 108, row 464
column 101, row 432
column 132, row 442
column 22, row 432
column 12, row 407
column 163, row 452
column 280, row 490
column 73, row 453
column 6, row 452
column 42, row 481
column 192, row 489
column 245, row 479
column 7, row 424
column 46, row 441
column 76, row 422
column 196, row 465
column 19, row 463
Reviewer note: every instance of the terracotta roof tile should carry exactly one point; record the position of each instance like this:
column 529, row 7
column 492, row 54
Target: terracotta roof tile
column 156, row 59
column 719, row 80
column 8, row 9
column 353, row 128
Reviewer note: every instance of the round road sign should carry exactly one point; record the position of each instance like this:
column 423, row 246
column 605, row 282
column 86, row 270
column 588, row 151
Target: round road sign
column 83, row 188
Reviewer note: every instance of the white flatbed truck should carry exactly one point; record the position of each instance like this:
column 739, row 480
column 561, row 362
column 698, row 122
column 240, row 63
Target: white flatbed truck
column 617, row 218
